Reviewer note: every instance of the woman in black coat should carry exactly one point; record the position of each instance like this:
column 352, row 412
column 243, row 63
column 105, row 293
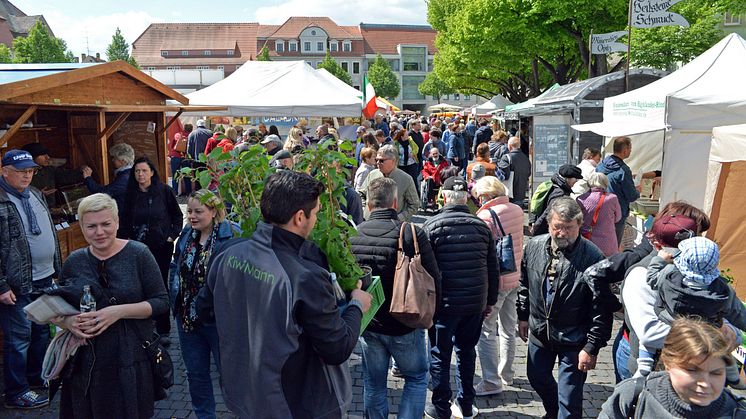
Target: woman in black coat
column 152, row 216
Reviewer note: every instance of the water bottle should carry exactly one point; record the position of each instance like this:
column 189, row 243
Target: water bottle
column 87, row 302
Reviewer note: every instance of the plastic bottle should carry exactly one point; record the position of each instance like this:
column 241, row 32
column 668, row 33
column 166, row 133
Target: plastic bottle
column 87, row 302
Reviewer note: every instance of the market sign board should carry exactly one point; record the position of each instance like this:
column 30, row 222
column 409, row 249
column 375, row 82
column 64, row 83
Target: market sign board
column 639, row 108
column 654, row 13
column 605, row 43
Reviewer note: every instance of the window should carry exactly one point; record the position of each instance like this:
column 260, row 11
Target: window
column 203, row 67
column 319, row 46
column 355, row 68
column 280, row 46
column 220, row 67
column 345, row 66
column 435, row 98
column 313, row 33
column 184, row 52
column 292, row 46
column 333, row 46
column 173, row 67
column 347, row 46
column 394, row 64
column 230, row 52
column 164, row 53
column 151, row 68
column 456, row 96
column 208, row 52
column 414, row 58
column 307, row 46
column 467, row 97
column 731, row 19
column 410, row 86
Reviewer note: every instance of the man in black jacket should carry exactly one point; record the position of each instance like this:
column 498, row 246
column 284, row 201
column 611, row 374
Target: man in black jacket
column 562, row 183
column 376, row 246
column 516, row 163
column 563, row 310
column 465, row 251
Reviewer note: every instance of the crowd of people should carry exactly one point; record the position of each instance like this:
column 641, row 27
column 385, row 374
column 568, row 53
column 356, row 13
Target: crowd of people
column 266, row 312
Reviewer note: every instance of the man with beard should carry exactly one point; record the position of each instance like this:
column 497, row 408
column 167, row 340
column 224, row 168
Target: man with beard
column 560, row 310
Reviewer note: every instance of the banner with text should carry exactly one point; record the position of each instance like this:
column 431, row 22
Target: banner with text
column 605, row 43
column 654, row 13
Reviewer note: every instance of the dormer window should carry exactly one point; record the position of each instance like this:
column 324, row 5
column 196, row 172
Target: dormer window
column 184, row 52
column 280, row 46
column 320, row 47
column 346, row 46
column 230, row 52
column 333, row 46
column 164, row 53
column 292, row 46
column 208, row 52
column 313, row 33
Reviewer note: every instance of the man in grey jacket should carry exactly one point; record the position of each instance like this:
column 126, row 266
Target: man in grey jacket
column 29, row 259
column 284, row 343
column 515, row 163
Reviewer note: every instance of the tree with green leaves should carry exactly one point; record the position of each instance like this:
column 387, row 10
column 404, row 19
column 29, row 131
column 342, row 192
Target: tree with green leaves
column 119, row 49
column 6, row 56
column 434, row 86
column 40, row 47
column 383, row 79
column 263, row 54
column 333, row 67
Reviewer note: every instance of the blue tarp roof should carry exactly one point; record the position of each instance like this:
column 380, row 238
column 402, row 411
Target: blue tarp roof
column 10, row 73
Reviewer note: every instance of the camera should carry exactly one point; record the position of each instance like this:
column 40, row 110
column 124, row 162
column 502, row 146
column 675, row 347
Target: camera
column 141, row 233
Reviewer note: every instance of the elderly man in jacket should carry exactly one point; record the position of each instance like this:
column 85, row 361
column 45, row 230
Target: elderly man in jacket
column 407, row 199
column 560, row 310
column 465, row 250
column 29, row 259
column 376, row 246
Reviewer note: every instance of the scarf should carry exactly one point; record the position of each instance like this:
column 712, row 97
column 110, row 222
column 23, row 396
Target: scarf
column 26, row 203
column 193, row 272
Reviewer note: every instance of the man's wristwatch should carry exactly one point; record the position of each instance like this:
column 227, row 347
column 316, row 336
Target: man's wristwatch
column 357, row 304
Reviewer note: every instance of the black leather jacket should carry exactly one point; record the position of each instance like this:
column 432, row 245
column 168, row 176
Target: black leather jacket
column 576, row 318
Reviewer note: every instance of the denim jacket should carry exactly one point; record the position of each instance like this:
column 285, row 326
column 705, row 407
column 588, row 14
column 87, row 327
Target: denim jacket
column 226, row 231
column 15, row 255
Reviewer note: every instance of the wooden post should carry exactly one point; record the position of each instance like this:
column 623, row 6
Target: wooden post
column 590, row 54
column 104, row 147
column 629, row 46
column 17, row 125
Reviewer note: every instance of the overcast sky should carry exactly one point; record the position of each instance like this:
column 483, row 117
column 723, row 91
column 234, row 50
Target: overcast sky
column 87, row 26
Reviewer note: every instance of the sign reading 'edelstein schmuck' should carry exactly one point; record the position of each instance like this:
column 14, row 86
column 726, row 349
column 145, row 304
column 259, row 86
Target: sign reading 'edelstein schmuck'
column 654, row 13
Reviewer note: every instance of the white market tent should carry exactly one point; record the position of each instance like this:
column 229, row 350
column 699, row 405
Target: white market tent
column 443, row 107
column 496, row 103
column 672, row 119
column 725, row 200
column 279, row 88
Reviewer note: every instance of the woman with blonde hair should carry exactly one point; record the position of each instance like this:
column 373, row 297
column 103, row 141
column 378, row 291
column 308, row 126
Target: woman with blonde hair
column 111, row 375
column 207, row 229
column 294, row 139
column 503, row 218
column 692, row 384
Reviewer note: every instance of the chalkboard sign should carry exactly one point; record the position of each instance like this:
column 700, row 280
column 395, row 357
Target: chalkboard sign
column 550, row 150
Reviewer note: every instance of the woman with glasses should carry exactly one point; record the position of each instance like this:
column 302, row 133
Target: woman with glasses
column 152, row 216
column 207, row 230
column 110, row 376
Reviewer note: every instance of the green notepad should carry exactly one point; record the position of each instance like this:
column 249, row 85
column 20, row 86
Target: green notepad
column 376, row 290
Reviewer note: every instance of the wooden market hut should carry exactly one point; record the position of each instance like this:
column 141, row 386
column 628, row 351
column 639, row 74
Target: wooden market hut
column 79, row 111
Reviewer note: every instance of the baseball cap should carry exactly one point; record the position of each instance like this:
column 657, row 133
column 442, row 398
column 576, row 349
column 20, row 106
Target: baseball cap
column 670, row 230
column 200, row 122
column 271, row 138
column 455, row 183
column 20, row 159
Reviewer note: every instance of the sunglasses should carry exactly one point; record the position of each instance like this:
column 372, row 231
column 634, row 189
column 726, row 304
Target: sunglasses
column 103, row 275
column 381, row 161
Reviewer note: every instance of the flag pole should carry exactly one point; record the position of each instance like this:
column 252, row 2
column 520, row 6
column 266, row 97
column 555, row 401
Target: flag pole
column 629, row 46
column 590, row 53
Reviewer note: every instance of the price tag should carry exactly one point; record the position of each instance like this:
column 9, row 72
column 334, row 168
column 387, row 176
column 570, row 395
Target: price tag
column 65, row 224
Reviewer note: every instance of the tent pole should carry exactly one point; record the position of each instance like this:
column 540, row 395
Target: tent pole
column 629, row 46
column 590, row 54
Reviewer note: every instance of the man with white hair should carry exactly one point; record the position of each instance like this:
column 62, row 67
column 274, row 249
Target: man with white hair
column 408, row 201
column 515, row 162
column 465, row 251
column 122, row 157
column 197, row 140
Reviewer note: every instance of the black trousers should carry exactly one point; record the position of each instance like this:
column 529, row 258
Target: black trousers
column 163, row 255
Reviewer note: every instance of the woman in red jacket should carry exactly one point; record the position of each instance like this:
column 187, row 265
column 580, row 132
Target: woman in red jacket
column 431, row 179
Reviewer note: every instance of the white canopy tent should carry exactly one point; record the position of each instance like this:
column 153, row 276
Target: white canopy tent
column 280, row 88
column 677, row 114
column 496, row 103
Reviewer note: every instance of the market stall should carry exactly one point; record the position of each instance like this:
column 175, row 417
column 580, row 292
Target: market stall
column 78, row 112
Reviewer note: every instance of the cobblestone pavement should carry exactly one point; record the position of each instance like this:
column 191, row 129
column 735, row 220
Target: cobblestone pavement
column 517, row 401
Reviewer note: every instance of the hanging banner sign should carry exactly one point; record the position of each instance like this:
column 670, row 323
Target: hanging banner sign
column 604, row 43
column 654, row 13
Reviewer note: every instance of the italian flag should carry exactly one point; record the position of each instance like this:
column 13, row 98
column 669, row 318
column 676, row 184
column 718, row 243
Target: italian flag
column 369, row 99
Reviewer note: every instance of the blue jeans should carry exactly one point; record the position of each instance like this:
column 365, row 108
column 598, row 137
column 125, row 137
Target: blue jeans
column 410, row 355
column 175, row 166
column 461, row 332
column 196, row 347
column 566, row 399
column 621, row 352
column 24, row 343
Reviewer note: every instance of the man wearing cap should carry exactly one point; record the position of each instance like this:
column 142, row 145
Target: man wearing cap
column 561, row 312
column 29, row 259
column 197, row 140
column 48, row 178
column 465, row 251
column 272, row 144
column 282, row 160
column 562, row 182
column 621, row 182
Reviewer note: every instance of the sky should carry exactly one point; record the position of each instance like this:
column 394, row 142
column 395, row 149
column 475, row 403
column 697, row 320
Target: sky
column 87, row 26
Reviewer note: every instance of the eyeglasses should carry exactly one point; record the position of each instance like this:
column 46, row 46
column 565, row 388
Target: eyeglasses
column 381, row 161
column 103, row 275
column 25, row 171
